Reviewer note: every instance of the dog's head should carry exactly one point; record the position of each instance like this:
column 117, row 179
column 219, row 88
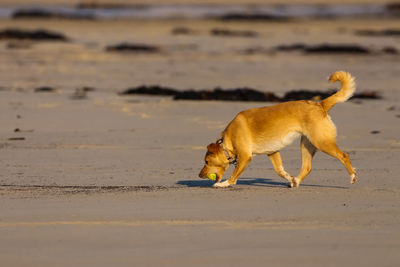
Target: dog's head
column 215, row 162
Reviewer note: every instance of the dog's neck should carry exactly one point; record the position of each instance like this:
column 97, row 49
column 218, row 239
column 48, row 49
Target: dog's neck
column 232, row 160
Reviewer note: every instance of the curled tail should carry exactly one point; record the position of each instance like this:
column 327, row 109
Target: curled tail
column 347, row 90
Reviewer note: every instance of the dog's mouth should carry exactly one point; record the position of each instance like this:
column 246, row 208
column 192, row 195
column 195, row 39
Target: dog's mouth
column 206, row 176
column 218, row 178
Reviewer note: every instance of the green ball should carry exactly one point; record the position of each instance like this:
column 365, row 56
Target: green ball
column 212, row 176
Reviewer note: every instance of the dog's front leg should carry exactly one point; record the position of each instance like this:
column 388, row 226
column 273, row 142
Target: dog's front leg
column 280, row 170
column 241, row 165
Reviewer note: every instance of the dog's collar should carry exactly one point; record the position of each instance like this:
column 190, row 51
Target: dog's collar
column 229, row 158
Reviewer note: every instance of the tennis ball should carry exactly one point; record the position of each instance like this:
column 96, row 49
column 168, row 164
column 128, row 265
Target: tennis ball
column 212, row 176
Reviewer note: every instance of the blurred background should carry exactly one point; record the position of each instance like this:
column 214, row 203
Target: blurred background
column 195, row 44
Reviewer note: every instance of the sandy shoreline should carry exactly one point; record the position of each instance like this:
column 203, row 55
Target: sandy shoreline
column 85, row 60
column 112, row 180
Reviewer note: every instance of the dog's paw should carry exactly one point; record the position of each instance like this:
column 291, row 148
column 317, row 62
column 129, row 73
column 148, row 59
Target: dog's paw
column 222, row 185
column 294, row 183
column 353, row 178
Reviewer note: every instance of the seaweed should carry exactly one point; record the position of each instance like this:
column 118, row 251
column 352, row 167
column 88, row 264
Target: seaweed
column 135, row 48
column 36, row 35
column 45, row 89
column 150, row 90
column 379, row 33
column 253, row 17
column 37, row 13
column 240, row 94
column 232, row 33
column 324, row 49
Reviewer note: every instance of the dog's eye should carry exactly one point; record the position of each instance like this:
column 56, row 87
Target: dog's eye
column 206, row 162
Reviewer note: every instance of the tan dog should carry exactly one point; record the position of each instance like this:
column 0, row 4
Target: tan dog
column 267, row 130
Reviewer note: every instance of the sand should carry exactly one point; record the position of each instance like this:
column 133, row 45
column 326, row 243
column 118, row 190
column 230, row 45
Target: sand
column 112, row 180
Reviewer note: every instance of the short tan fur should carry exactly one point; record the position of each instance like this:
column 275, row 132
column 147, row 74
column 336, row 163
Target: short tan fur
column 267, row 130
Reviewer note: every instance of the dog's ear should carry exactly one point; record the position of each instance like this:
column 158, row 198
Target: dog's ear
column 213, row 148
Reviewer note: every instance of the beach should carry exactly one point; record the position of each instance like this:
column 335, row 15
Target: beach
column 90, row 176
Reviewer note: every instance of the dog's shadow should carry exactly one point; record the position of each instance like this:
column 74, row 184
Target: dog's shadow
column 251, row 181
column 241, row 181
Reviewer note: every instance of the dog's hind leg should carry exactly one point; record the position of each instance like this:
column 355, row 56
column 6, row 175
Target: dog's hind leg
column 307, row 153
column 278, row 166
column 334, row 151
column 325, row 140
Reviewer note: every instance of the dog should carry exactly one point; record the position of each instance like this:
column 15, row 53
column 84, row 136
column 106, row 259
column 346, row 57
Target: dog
column 267, row 130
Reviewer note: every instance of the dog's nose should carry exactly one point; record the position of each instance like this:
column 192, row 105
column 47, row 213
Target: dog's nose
column 201, row 175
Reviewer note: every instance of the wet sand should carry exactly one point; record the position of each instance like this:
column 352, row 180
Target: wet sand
column 112, row 180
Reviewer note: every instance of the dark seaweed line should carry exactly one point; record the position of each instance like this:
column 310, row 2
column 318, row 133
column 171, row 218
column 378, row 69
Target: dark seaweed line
column 126, row 47
column 240, row 94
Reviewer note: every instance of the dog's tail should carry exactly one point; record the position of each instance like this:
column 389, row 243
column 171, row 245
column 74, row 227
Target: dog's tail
column 347, row 90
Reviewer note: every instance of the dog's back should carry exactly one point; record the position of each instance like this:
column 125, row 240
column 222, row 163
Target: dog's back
column 293, row 116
